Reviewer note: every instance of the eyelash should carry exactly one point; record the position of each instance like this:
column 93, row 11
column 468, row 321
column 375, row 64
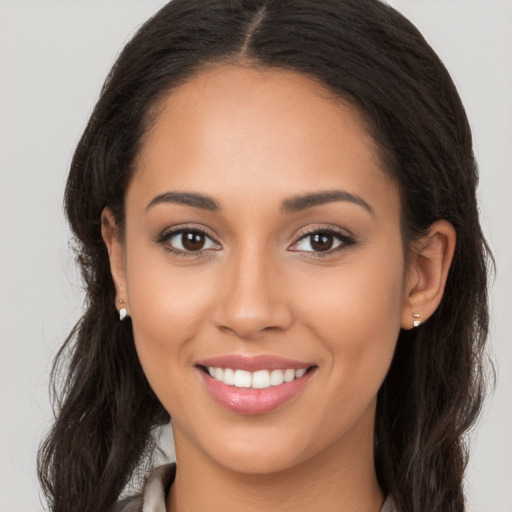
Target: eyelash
column 168, row 234
column 346, row 240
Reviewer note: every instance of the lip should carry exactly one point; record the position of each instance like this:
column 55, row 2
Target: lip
column 249, row 401
column 253, row 363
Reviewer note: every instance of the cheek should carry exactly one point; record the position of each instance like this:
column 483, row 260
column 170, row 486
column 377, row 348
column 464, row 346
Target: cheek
column 355, row 311
column 354, row 316
column 363, row 301
column 167, row 305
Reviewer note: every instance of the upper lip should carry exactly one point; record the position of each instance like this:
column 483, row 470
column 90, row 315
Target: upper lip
column 253, row 363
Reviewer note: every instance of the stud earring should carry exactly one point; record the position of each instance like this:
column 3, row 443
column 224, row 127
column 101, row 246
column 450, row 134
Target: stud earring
column 416, row 321
column 123, row 313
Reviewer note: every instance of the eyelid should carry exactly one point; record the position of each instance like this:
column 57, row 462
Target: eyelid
column 168, row 233
column 344, row 236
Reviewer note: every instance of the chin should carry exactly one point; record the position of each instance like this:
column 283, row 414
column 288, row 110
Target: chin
column 257, row 461
column 258, row 449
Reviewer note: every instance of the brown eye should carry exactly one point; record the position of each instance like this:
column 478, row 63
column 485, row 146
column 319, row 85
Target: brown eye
column 187, row 241
column 322, row 241
column 192, row 240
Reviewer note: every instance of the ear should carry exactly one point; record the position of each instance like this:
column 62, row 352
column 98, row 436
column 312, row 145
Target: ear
column 427, row 273
column 112, row 239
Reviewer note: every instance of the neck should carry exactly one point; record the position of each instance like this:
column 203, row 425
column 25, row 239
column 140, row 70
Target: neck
column 341, row 477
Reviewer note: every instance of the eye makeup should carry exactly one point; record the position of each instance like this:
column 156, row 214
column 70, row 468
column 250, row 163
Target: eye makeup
column 192, row 241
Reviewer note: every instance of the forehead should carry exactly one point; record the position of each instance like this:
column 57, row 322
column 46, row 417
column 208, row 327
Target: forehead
column 238, row 131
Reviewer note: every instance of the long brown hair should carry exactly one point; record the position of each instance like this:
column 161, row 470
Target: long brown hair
column 370, row 55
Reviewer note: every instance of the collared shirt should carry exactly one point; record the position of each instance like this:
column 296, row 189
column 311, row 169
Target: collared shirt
column 157, row 486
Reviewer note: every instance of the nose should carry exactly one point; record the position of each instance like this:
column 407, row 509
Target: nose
column 252, row 298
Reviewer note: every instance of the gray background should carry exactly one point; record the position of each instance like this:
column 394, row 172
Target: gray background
column 54, row 56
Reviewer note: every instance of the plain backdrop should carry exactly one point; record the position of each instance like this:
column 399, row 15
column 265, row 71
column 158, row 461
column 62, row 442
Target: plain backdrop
column 54, row 55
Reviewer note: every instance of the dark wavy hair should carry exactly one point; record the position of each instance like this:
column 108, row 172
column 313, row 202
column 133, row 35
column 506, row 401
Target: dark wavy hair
column 371, row 56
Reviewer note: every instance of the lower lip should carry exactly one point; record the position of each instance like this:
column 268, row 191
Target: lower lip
column 251, row 401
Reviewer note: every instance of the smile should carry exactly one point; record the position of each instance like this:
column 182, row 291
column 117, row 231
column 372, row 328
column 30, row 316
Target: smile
column 260, row 379
column 254, row 385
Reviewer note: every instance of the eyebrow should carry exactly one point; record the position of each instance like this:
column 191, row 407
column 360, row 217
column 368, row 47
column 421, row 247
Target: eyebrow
column 292, row 205
column 187, row 198
column 299, row 203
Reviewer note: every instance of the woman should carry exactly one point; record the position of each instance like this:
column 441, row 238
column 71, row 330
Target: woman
column 275, row 208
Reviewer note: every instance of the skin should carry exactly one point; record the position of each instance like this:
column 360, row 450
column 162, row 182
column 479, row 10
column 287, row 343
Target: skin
column 252, row 139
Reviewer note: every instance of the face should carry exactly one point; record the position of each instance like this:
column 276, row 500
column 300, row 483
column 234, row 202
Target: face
column 263, row 247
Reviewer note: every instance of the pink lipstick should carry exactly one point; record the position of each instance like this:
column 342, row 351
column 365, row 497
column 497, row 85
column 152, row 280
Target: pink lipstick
column 253, row 385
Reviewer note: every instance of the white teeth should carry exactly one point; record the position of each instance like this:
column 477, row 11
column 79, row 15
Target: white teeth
column 260, row 379
column 218, row 373
column 300, row 373
column 276, row 377
column 289, row 375
column 229, row 377
column 242, row 379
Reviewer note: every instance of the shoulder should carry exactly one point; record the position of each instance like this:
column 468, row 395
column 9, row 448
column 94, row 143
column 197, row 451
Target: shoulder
column 152, row 498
